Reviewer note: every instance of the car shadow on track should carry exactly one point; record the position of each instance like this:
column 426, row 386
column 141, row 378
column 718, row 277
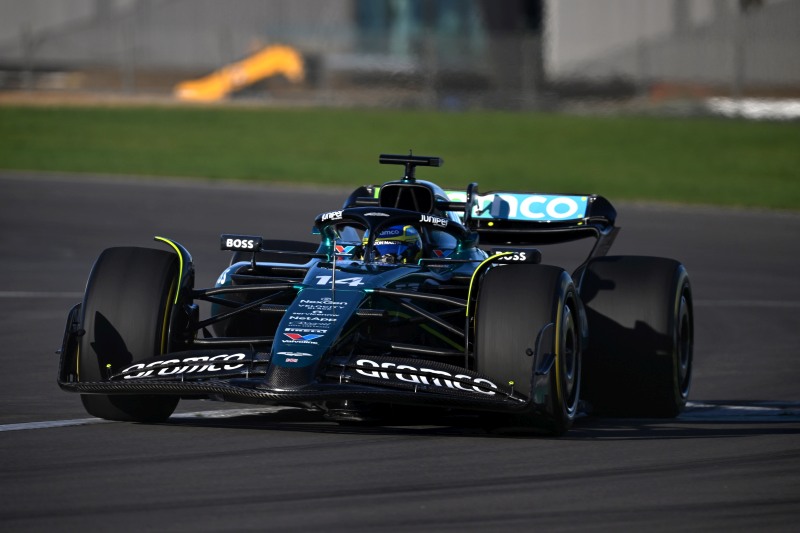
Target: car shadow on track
column 301, row 420
column 690, row 425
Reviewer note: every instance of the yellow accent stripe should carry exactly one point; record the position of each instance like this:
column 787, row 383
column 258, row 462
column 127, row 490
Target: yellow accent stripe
column 180, row 265
column 478, row 270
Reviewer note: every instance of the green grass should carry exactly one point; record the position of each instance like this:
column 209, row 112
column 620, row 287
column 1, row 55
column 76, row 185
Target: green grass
column 704, row 161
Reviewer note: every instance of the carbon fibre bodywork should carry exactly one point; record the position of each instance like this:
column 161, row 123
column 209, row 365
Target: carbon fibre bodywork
column 326, row 325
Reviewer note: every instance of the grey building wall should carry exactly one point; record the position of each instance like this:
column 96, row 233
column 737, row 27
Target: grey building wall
column 689, row 41
column 707, row 42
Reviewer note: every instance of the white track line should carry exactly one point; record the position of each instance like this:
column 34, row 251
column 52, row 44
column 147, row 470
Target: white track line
column 52, row 424
column 220, row 413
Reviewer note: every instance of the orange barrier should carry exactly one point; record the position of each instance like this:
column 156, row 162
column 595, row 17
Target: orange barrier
column 272, row 60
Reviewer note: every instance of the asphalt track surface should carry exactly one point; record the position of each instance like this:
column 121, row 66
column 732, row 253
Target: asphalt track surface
column 730, row 462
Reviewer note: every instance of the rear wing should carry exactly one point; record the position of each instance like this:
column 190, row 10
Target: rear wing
column 504, row 218
column 533, row 218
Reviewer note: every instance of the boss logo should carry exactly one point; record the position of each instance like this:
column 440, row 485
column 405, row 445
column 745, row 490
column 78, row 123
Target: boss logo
column 240, row 242
column 517, row 255
column 520, row 256
column 247, row 244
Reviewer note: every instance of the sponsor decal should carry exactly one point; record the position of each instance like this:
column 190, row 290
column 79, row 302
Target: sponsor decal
column 333, row 215
column 432, row 219
column 310, row 318
column 243, row 244
column 188, row 365
column 424, row 376
column 521, row 206
column 295, row 354
column 442, row 253
column 307, row 330
column 392, row 232
column 325, row 300
column 304, row 320
column 376, row 214
column 313, row 318
column 532, row 207
column 313, row 308
column 516, row 257
column 299, row 337
column 240, row 243
column 344, row 250
column 323, row 303
column 308, row 327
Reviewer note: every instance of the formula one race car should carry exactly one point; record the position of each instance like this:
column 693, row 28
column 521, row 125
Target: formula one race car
column 414, row 299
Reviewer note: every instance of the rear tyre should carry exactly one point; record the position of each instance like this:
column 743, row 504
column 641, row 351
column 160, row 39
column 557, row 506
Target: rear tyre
column 126, row 316
column 639, row 358
column 527, row 319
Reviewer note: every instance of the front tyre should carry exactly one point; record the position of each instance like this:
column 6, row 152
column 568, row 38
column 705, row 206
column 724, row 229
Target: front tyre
column 528, row 337
column 126, row 317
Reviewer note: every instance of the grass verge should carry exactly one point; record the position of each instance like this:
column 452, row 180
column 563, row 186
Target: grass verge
column 703, row 161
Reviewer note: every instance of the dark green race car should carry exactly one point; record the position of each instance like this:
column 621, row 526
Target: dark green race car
column 415, row 299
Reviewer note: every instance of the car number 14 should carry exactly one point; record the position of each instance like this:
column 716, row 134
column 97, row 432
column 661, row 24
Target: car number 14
column 350, row 282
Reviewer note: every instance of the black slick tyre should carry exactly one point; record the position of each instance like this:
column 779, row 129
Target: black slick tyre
column 639, row 359
column 527, row 337
column 126, row 317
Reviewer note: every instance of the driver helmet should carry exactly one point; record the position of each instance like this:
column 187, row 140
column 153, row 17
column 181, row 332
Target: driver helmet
column 397, row 244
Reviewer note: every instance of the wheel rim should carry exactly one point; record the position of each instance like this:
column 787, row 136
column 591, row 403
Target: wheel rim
column 569, row 362
column 684, row 345
column 166, row 325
